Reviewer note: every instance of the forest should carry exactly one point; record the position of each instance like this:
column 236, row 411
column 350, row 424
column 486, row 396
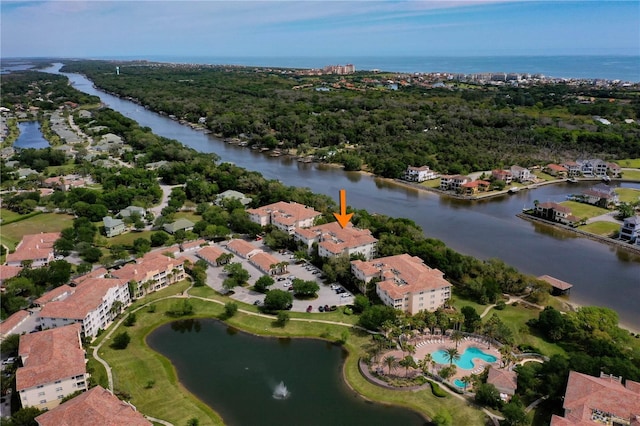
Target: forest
column 456, row 129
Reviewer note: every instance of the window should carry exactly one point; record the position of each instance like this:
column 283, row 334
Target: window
column 40, row 393
column 60, row 396
column 43, row 401
column 58, row 381
column 40, row 386
column 58, row 389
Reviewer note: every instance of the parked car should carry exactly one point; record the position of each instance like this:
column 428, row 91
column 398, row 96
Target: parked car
column 309, row 308
column 281, row 279
column 326, row 308
column 257, row 303
column 345, row 295
column 320, row 308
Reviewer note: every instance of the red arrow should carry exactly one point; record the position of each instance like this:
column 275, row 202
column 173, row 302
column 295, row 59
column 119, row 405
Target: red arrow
column 343, row 217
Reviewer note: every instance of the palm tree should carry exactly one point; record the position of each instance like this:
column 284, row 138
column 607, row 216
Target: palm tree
column 466, row 380
column 425, row 363
column 391, row 362
column 452, row 355
column 407, row 362
column 457, row 336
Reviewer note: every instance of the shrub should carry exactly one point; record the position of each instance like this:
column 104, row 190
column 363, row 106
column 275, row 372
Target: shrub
column 283, row 318
column 230, row 309
column 501, row 305
column 436, row 390
column 130, row 321
column 121, row 341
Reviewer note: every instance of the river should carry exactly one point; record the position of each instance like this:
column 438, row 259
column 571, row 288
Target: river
column 602, row 275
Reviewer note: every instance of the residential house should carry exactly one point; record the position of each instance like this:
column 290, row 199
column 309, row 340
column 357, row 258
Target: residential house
column 152, row 272
column 453, row 182
column 419, row 174
column 600, row 195
column 505, row 381
column 110, row 138
column 474, row 187
column 113, row 226
column 178, row 225
column 140, row 211
column 97, row 406
column 333, row 240
column 521, row 174
column 242, row 248
column 53, row 366
column 556, row 213
column 210, row 254
column 284, row 216
column 266, row 263
column 556, row 170
column 502, row 175
column 156, row 165
column 573, row 168
column 630, row 229
column 593, row 167
column 64, row 183
column 231, row 194
column 406, row 283
column 90, row 304
column 604, row 400
column 12, row 324
column 34, row 248
column 614, row 170
column 24, row 172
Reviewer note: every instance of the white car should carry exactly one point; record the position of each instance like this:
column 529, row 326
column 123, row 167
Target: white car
column 334, row 286
column 345, row 295
column 286, row 284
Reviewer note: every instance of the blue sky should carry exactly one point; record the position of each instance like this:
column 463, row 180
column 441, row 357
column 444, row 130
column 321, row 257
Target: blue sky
column 317, row 28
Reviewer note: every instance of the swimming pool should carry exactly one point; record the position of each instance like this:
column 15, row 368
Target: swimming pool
column 459, row 383
column 465, row 358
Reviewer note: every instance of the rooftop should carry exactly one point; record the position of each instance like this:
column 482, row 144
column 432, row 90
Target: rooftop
column 34, row 246
column 86, row 298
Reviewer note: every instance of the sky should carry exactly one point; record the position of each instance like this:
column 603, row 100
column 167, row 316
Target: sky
column 94, row 29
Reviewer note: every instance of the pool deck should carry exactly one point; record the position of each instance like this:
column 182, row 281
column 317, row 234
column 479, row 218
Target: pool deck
column 428, row 344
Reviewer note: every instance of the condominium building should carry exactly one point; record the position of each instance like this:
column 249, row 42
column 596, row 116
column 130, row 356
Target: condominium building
column 284, row 216
column 333, row 240
column 91, row 304
column 34, row 248
column 406, row 283
column 53, row 366
column 152, row 272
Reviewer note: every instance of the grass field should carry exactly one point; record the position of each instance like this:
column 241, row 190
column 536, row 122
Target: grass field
column 8, row 215
column 136, row 366
column 583, row 210
column 128, row 238
column 633, row 163
column 11, row 234
column 628, row 195
column 631, row 175
column 605, row 229
column 195, row 218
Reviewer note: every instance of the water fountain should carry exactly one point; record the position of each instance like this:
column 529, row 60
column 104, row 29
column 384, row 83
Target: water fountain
column 281, row 391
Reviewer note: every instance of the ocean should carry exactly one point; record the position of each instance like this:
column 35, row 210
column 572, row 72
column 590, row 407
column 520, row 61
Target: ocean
column 624, row 68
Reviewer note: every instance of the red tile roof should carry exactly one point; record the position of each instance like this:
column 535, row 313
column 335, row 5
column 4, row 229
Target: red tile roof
column 559, row 284
column 57, row 293
column 264, row 261
column 34, row 246
column 87, row 297
column 7, row 326
column 147, row 266
column 241, row 247
column 503, row 379
column 283, row 209
column 97, row 273
column 50, row 355
column 336, row 239
column 97, row 406
column 7, row 271
column 210, row 253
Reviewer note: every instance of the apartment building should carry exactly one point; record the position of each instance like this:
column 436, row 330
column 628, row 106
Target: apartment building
column 284, row 216
column 333, row 240
column 34, row 248
column 406, row 283
column 152, row 272
column 53, row 366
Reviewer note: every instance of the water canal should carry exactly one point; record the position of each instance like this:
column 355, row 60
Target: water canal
column 30, row 136
column 602, row 275
column 252, row 380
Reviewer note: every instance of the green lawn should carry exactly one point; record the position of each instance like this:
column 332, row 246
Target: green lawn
column 605, row 229
column 195, row 218
column 583, row 210
column 633, row 163
column 628, row 195
column 128, row 237
column 8, row 215
column 631, row 175
column 11, row 234
column 137, row 365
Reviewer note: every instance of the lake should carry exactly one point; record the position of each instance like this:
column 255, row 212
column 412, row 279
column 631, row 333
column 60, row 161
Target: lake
column 30, row 136
column 237, row 374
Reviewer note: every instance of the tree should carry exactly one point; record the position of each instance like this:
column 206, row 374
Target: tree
column 263, row 283
column 391, row 362
column 131, row 320
column 452, row 354
column 9, row 346
column 305, row 289
column 466, row 380
column 283, row 318
column 224, row 258
column 457, row 336
column 373, row 317
column 230, row 309
column 159, row 238
column 487, row 394
column 447, row 372
column 443, row 418
column 360, row 303
column 425, row 363
column 408, row 362
column 514, row 413
column 277, row 300
column 121, row 340
column 24, row 417
column 141, row 246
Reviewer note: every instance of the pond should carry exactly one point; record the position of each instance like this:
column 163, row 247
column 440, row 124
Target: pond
column 30, row 136
column 253, row 380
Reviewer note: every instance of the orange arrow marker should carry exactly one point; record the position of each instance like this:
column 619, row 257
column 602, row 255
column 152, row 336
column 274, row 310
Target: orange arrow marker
column 343, row 218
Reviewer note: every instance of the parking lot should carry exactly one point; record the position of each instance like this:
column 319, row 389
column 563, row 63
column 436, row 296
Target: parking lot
column 326, row 295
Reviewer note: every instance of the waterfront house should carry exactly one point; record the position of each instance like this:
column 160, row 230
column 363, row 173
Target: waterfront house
column 474, row 187
column 89, row 304
column 556, row 213
column 405, row 282
column 284, row 216
column 333, row 240
column 113, row 226
column 34, row 248
column 419, row 174
column 520, row 174
column 556, row 170
column 614, row 170
column 502, row 175
column 630, row 229
column 231, row 194
column 453, row 182
column 97, row 406
column 53, row 366
column 573, row 168
column 590, row 400
column 600, row 195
